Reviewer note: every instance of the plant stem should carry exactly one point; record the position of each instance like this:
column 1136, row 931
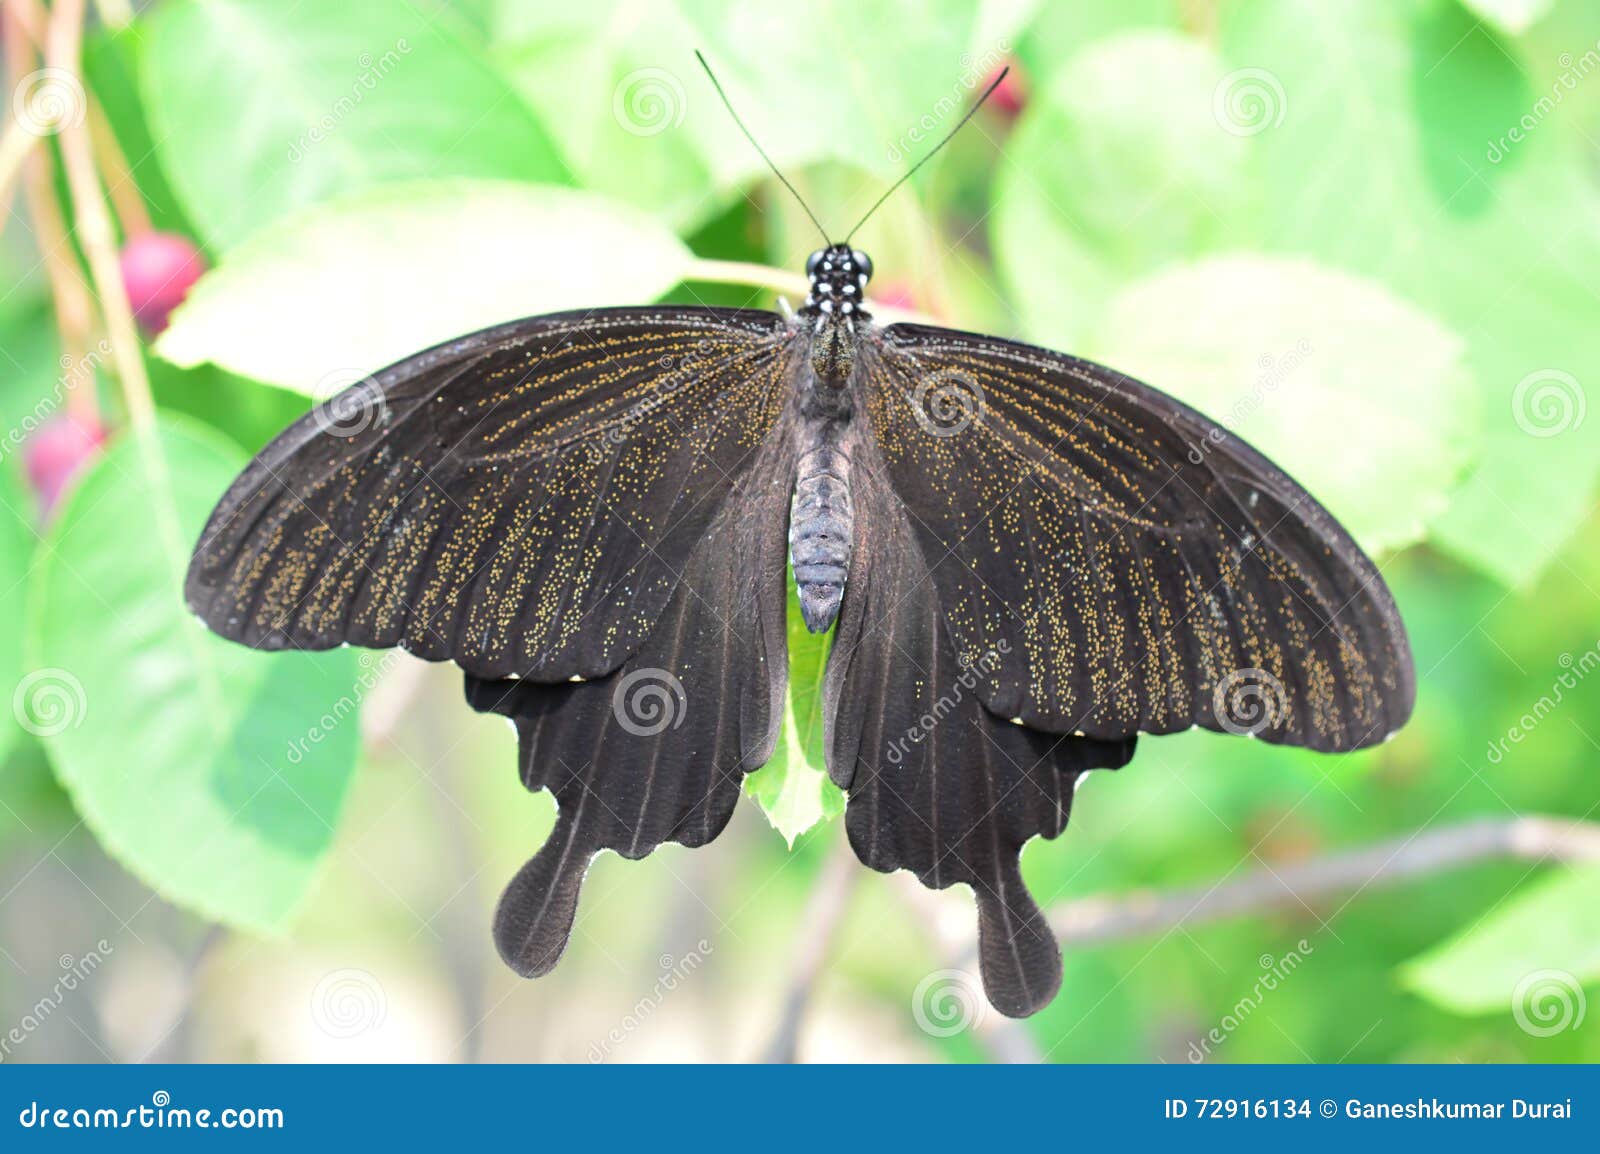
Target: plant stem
column 94, row 229
column 74, row 308
column 784, row 283
column 132, row 215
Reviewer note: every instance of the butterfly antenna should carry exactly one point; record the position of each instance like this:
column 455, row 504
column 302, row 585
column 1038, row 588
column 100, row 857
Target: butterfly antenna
column 728, row 104
column 931, row 153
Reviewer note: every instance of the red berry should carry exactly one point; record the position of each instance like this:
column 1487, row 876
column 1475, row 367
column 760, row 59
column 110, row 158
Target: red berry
column 1009, row 98
column 157, row 270
column 57, row 450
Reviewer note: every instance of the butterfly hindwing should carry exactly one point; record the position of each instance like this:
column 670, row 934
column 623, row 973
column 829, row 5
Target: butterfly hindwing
column 520, row 501
column 937, row 784
column 655, row 751
column 1145, row 569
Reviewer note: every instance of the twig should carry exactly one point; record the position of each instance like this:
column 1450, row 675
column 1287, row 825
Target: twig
column 132, row 215
column 819, row 924
column 16, row 145
column 1530, row 838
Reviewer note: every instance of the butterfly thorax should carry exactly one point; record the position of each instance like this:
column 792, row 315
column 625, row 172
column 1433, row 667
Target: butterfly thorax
column 822, row 513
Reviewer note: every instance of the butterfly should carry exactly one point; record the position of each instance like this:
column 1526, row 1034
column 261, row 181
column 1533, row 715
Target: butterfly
column 1026, row 560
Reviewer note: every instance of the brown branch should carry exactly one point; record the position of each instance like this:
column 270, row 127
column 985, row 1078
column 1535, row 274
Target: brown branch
column 830, row 897
column 1295, row 885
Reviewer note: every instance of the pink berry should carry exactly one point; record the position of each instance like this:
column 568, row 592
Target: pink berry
column 1012, row 95
column 157, row 270
column 55, row 451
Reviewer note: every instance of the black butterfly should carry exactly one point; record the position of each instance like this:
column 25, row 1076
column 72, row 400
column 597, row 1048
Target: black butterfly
column 1029, row 559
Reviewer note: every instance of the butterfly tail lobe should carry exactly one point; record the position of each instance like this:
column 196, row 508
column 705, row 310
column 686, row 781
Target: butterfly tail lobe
column 1018, row 958
column 533, row 922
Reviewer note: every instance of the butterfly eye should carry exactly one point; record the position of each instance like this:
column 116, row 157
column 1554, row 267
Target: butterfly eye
column 863, row 262
column 812, row 262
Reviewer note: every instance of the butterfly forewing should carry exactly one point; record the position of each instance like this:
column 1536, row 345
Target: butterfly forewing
column 520, row 502
column 1136, row 567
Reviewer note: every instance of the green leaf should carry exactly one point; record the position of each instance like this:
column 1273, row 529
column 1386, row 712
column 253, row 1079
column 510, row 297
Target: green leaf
column 1263, row 346
column 213, row 772
column 793, row 789
column 806, row 99
column 1513, row 16
column 1409, row 175
column 1122, row 168
column 1389, row 138
column 1535, row 949
column 618, row 84
column 260, row 108
column 317, row 301
column 16, row 558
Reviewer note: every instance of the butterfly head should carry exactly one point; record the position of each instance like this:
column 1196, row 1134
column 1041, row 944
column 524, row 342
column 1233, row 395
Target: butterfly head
column 838, row 276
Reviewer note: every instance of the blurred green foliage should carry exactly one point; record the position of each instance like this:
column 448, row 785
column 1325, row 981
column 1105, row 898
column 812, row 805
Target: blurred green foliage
column 1364, row 234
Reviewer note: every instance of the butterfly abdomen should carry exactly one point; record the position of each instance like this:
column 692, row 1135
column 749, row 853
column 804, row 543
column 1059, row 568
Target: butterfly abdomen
column 821, row 524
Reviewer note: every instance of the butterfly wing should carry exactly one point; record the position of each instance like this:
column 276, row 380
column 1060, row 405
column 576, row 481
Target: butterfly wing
column 586, row 512
column 937, row 784
column 520, row 501
column 655, row 751
column 1145, row 569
